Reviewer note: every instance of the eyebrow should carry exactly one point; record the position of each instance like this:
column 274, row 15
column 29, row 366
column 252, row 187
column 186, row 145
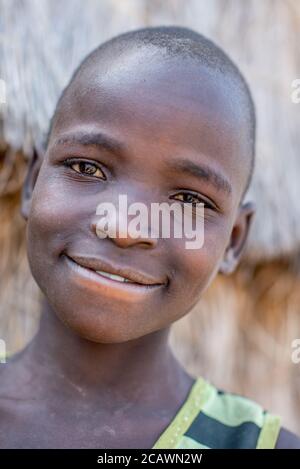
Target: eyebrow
column 205, row 173
column 98, row 139
column 101, row 140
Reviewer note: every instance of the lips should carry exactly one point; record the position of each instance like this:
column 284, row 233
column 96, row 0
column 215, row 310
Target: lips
column 117, row 278
column 116, row 273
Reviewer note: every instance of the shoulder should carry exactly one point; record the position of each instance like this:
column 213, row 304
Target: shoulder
column 287, row 440
column 15, row 407
column 6, row 415
column 232, row 421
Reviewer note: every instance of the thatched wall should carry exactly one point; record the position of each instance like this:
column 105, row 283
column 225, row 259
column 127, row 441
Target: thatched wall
column 240, row 334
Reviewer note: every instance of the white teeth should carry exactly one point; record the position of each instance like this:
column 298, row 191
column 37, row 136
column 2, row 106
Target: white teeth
column 113, row 276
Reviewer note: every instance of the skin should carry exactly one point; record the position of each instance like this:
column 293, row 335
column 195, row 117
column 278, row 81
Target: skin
column 102, row 348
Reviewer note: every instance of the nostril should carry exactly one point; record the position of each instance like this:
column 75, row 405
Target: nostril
column 147, row 244
column 126, row 242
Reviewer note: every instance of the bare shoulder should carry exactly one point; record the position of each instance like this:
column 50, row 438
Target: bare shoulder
column 11, row 400
column 4, row 410
column 287, row 440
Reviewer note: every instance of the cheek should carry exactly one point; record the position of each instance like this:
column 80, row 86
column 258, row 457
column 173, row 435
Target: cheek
column 53, row 212
column 196, row 268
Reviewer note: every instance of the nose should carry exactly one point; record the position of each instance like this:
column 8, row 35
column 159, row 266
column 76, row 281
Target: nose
column 114, row 222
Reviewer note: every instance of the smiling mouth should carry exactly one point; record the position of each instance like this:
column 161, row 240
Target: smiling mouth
column 104, row 273
column 115, row 277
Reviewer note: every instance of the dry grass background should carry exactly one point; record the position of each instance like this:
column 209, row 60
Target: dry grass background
column 239, row 335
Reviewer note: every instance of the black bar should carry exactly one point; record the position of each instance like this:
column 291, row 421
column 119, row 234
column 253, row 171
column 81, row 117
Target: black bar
column 129, row 458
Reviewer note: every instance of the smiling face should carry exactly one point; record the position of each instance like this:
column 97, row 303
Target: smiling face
column 158, row 130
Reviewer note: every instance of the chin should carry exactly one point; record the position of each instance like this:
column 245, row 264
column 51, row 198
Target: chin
column 99, row 328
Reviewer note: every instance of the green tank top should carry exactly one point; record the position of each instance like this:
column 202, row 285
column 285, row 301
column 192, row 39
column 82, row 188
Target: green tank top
column 211, row 418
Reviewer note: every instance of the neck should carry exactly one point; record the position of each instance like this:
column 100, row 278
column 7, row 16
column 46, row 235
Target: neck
column 134, row 369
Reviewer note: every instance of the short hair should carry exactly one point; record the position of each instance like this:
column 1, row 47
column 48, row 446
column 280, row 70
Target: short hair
column 176, row 41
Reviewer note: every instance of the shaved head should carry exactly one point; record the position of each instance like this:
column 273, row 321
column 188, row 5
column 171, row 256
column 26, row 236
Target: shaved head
column 168, row 42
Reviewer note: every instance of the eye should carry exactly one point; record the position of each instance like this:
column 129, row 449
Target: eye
column 193, row 199
column 85, row 168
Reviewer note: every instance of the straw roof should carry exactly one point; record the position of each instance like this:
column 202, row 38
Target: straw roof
column 40, row 47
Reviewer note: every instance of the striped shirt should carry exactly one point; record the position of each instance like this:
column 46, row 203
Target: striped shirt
column 210, row 418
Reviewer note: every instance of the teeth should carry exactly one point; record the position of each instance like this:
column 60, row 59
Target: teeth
column 113, row 276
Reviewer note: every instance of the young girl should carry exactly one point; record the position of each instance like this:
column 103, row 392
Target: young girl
column 159, row 115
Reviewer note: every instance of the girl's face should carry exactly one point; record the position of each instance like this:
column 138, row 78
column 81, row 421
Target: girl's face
column 156, row 131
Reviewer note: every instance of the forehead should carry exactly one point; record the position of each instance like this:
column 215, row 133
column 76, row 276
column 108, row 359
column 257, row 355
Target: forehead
column 148, row 99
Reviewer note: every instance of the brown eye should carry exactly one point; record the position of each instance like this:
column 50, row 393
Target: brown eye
column 189, row 198
column 86, row 168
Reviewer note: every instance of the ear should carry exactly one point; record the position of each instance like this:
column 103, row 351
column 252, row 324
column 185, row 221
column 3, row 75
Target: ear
column 238, row 238
column 30, row 180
